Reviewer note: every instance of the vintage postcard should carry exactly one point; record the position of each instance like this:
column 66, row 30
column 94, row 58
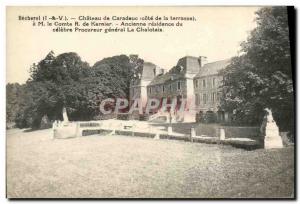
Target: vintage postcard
column 150, row 102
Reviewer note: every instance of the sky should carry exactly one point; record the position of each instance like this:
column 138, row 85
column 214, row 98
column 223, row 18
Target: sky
column 216, row 34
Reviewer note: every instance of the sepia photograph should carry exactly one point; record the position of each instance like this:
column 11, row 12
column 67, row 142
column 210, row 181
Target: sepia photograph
column 150, row 102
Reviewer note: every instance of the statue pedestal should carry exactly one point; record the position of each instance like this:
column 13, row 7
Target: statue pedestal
column 272, row 137
column 65, row 123
column 170, row 130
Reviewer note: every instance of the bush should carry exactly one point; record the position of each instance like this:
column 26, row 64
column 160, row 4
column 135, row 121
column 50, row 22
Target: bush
column 123, row 116
column 210, row 117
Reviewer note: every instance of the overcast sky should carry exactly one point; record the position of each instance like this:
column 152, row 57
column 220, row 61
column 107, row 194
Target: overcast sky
column 216, row 34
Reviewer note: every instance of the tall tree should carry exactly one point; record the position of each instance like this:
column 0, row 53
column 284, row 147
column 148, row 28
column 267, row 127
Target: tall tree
column 115, row 73
column 67, row 81
column 111, row 77
column 14, row 94
column 53, row 84
column 262, row 77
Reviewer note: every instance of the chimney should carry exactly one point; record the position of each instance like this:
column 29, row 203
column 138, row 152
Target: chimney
column 161, row 71
column 202, row 60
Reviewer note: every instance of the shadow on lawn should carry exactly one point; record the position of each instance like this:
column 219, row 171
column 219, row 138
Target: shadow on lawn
column 34, row 129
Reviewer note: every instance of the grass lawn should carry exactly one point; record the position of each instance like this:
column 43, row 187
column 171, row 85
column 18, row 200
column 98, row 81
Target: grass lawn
column 120, row 166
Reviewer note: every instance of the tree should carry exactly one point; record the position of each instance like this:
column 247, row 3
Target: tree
column 67, row 81
column 14, row 93
column 63, row 69
column 262, row 76
column 53, row 84
column 111, row 78
column 115, row 73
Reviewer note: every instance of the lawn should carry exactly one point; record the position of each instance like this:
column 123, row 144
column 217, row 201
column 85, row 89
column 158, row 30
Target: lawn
column 119, row 166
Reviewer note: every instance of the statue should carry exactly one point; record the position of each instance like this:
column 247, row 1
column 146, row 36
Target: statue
column 270, row 131
column 65, row 116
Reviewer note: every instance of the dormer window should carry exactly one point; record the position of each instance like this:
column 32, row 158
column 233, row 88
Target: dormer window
column 181, row 68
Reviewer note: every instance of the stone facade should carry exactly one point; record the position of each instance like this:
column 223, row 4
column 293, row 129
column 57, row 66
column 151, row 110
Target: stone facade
column 207, row 91
column 177, row 83
column 191, row 79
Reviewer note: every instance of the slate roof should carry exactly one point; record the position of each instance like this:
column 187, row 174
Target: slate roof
column 212, row 68
column 187, row 64
column 208, row 69
column 164, row 78
column 190, row 64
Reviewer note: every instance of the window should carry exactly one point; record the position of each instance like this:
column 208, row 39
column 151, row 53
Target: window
column 196, row 83
column 203, row 83
column 218, row 96
column 213, row 97
column 163, row 88
column 214, row 82
column 204, row 98
column 178, row 85
column 150, row 90
column 198, row 99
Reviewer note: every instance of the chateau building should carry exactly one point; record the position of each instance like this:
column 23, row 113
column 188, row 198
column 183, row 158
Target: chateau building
column 192, row 80
column 177, row 83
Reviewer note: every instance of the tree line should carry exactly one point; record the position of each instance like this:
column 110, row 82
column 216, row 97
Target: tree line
column 67, row 81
